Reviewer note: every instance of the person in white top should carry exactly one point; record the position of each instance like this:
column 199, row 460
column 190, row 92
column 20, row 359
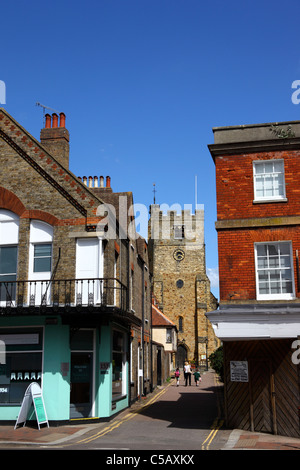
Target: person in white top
column 187, row 373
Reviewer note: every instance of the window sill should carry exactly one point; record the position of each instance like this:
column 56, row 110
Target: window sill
column 119, row 398
column 276, row 297
column 268, row 201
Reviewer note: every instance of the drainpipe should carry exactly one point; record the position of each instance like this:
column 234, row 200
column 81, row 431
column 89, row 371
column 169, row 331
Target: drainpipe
column 150, row 320
column 143, row 324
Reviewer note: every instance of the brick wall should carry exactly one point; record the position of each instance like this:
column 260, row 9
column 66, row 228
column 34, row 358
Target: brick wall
column 237, row 259
column 270, row 221
column 234, row 184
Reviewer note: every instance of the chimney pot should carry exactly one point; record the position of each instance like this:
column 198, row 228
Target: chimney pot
column 84, row 180
column 62, row 120
column 56, row 139
column 90, row 181
column 54, row 120
column 108, row 181
column 48, row 121
column 101, row 181
column 96, row 181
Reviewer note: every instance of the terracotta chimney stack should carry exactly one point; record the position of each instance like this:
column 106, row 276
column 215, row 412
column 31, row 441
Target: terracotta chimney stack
column 62, row 120
column 54, row 120
column 56, row 139
column 48, row 121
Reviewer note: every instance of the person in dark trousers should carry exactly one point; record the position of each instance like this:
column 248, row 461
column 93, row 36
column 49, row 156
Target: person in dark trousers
column 187, row 373
column 197, row 377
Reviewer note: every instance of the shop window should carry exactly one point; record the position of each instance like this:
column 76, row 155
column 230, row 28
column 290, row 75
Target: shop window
column 22, row 365
column 118, row 365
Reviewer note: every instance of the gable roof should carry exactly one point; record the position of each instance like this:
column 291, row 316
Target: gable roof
column 159, row 319
column 62, row 179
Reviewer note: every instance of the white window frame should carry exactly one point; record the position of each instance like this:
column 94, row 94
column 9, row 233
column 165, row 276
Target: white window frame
column 41, row 233
column 9, row 228
column 84, row 271
column 9, row 237
column 275, row 296
column 268, row 198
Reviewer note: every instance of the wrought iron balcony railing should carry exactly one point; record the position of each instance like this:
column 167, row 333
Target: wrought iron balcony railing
column 67, row 293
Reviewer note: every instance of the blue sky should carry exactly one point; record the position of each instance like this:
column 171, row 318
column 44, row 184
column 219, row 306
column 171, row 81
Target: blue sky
column 143, row 82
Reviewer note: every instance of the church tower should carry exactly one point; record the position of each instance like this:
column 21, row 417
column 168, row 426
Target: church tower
column 180, row 284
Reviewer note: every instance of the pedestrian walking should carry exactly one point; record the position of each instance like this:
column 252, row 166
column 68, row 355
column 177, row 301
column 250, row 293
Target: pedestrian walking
column 177, row 375
column 187, row 373
column 197, row 377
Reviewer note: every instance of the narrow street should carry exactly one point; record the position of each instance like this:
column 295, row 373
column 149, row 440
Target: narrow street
column 174, row 418
column 174, row 423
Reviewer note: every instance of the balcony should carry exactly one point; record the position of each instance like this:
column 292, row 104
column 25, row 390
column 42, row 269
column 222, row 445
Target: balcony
column 62, row 295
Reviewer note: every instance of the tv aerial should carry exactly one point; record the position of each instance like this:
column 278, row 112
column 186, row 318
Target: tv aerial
column 44, row 108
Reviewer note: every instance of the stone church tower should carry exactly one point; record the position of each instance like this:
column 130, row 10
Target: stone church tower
column 180, row 284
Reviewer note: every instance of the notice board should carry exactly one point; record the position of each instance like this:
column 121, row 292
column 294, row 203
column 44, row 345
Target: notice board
column 239, row 371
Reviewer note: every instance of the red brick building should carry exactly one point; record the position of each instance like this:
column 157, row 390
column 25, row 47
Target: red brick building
column 258, row 319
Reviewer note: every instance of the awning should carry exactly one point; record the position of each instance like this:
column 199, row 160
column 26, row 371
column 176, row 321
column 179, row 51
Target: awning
column 255, row 322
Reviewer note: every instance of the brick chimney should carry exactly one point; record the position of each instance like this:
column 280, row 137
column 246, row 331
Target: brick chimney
column 55, row 138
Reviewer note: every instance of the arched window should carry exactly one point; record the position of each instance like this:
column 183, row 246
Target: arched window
column 181, row 355
column 9, row 239
column 40, row 261
column 40, row 256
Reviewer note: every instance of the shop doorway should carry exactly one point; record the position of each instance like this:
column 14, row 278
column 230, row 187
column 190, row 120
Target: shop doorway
column 82, row 366
column 81, row 385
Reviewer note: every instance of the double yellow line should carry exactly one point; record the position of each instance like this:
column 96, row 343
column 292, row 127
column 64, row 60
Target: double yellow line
column 217, row 424
column 116, row 423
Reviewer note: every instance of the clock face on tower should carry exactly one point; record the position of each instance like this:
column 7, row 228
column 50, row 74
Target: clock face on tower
column 179, row 255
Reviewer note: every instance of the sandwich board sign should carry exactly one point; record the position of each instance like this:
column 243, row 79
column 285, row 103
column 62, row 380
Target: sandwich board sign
column 33, row 395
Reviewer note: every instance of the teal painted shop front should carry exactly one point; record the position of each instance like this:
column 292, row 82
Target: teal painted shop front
column 83, row 372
